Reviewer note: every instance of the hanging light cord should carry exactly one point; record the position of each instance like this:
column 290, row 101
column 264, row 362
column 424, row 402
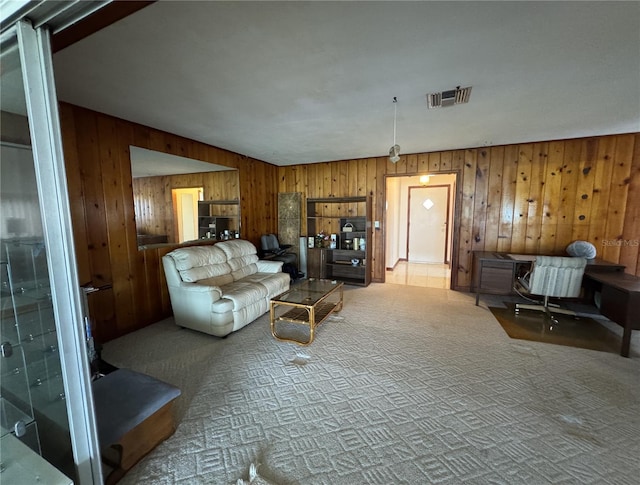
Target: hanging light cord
column 395, row 114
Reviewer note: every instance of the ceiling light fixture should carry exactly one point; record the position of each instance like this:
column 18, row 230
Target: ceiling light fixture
column 394, row 151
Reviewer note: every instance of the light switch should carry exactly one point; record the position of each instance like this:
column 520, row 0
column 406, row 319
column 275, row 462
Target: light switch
column 376, row 224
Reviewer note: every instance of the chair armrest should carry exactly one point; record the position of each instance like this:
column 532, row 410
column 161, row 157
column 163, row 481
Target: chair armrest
column 269, row 266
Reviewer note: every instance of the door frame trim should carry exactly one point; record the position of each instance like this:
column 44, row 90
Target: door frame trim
column 457, row 216
column 446, row 234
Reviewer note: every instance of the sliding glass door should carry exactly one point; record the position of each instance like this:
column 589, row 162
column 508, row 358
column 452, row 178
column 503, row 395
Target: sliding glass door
column 46, row 405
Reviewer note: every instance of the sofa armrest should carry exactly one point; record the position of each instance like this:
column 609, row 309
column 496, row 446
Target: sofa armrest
column 198, row 290
column 269, row 266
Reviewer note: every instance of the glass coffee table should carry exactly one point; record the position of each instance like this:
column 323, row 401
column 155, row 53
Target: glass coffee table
column 309, row 303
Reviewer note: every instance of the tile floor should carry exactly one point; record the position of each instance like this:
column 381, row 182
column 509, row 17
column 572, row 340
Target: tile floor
column 427, row 275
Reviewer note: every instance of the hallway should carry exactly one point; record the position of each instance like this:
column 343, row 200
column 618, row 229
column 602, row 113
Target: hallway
column 426, row 275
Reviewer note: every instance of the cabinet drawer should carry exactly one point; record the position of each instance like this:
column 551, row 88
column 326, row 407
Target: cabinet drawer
column 497, row 264
column 496, row 280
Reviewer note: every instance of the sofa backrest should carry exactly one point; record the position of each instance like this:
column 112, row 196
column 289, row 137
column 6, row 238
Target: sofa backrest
column 242, row 257
column 218, row 264
column 197, row 263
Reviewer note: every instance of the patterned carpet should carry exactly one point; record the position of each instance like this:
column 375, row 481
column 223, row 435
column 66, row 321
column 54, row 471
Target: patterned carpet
column 406, row 385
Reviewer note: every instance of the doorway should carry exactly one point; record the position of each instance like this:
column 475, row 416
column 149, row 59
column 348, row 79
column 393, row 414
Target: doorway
column 413, row 256
column 428, row 221
column 185, row 206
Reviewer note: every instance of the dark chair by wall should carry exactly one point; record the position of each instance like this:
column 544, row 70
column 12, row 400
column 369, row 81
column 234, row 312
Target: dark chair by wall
column 273, row 250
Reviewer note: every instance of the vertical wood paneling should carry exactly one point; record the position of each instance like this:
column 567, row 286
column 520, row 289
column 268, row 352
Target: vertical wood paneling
column 480, row 196
column 621, row 171
column 91, row 174
column 119, row 250
column 630, row 244
column 530, row 196
column 515, row 198
column 508, row 196
column 465, row 245
column 521, row 204
column 96, row 148
column 535, row 200
column 494, row 198
column 423, row 163
column 434, row 162
column 76, row 195
column 584, row 194
column 601, row 190
column 568, row 191
column 552, row 188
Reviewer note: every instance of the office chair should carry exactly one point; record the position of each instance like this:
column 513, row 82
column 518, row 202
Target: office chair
column 555, row 277
column 273, row 250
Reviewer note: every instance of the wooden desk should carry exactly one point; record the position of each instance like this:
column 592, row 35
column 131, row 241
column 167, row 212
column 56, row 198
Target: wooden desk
column 494, row 273
column 620, row 301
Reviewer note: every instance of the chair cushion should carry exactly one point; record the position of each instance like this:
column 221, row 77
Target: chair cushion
column 269, row 242
column 557, row 276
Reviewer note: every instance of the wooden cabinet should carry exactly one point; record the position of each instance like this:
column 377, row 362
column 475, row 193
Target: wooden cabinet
column 347, row 221
column 316, row 259
column 218, row 219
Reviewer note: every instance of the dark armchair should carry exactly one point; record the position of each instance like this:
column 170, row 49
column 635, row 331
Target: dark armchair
column 273, row 250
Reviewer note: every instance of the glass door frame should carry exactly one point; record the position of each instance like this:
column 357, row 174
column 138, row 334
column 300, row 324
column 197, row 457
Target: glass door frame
column 44, row 126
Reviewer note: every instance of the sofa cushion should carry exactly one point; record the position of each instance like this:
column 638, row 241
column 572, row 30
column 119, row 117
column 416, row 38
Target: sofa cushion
column 241, row 256
column 243, row 293
column 197, row 263
column 243, row 270
column 236, row 248
column 275, row 283
column 221, row 280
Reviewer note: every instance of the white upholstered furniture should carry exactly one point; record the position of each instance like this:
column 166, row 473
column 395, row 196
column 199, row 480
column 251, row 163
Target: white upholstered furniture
column 220, row 288
column 554, row 276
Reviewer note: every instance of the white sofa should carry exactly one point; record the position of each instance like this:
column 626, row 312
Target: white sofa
column 219, row 289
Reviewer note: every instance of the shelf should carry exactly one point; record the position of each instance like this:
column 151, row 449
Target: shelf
column 219, row 202
column 10, row 416
column 335, row 263
column 213, row 220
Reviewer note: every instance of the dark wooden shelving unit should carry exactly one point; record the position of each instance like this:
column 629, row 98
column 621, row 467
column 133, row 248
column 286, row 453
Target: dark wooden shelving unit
column 217, row 216
column 349, row 219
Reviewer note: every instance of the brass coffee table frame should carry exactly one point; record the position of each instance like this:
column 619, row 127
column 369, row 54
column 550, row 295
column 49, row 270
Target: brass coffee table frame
column 311, row 304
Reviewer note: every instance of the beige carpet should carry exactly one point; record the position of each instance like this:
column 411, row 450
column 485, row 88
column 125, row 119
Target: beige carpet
column 406, row 385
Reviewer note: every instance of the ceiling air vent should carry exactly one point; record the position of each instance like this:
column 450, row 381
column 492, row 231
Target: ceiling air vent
column 448, row 98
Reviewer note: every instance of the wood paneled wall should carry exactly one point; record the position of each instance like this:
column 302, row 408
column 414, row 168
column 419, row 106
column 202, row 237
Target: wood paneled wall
column 154, row 206
column 96, row 149
column 526, row 198
column 531, row 197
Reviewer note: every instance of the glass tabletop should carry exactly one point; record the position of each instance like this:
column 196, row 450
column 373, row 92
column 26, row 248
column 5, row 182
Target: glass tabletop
column 309, row 292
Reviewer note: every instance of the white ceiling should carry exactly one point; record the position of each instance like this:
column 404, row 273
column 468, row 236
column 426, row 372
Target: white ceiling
column 303, row 82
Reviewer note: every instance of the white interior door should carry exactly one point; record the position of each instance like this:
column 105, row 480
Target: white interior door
column 189, row 219
column 428, row 214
